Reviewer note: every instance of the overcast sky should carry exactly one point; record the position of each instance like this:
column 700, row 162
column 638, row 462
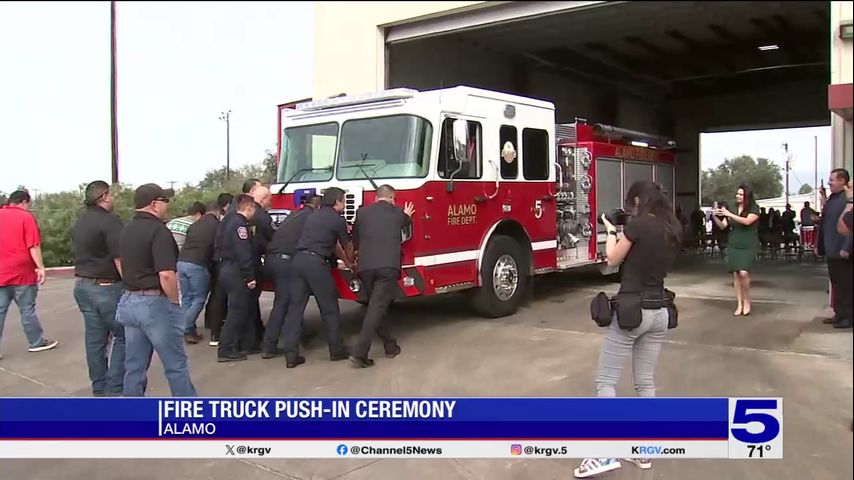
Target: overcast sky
column 717, row 147
column 179, row 66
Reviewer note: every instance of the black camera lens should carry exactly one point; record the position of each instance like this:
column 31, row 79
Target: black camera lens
column 616, row 217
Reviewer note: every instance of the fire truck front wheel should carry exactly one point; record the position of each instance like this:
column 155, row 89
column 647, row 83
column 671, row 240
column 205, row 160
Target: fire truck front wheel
column 504, row 273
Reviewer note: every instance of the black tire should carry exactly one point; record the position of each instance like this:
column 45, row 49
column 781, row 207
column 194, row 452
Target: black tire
column 485, row 300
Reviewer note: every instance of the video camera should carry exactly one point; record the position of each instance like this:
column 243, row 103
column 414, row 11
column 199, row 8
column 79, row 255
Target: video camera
column 616, row 217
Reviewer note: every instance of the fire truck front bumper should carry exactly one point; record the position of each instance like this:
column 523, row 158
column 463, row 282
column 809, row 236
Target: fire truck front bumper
column 410, row 284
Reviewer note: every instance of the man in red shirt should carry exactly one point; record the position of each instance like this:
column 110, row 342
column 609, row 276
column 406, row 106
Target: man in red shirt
column 21, row 268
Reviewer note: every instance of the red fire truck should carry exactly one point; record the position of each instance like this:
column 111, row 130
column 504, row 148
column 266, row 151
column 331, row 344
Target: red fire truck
column 501, row 192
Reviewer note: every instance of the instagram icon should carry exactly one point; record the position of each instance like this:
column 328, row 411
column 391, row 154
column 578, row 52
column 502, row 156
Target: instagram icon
column 515, row 449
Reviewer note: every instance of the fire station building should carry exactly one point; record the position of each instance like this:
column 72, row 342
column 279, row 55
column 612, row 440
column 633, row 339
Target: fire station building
column 671, row 68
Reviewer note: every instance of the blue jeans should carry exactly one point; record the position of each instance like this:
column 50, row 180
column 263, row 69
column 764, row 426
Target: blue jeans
column 153, row 324
column 193, row 281
column 25, row 298
column 98, row 305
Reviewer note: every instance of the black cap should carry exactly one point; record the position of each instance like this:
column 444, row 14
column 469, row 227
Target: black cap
column 150, row 192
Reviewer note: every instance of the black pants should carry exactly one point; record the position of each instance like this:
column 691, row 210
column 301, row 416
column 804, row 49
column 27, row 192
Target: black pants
column 254, row 333
column 279, row 269
column 840, row 272
column 380, row 285
column 240, row 299
column 217, row 306
column 311, row 276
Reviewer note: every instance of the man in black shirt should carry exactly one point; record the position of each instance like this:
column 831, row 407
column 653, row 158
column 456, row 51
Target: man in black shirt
column 98, row 286
column 217, row 307
column 376, row 236
column 277, row 264
column 788, row 224
column 149, row 307
column 324, row 229
column 194, row 263
column 238, row 274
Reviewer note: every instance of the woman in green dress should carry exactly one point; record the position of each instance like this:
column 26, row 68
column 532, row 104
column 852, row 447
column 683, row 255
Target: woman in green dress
column 742, row 243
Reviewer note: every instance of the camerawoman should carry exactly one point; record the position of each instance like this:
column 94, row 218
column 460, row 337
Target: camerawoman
column 643, row 310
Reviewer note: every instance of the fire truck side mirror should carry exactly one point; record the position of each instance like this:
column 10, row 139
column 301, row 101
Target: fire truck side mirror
column 461, row 141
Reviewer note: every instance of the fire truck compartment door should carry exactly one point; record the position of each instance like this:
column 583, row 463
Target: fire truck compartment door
column 636, row 171
column 609, row 187
column 664, row 177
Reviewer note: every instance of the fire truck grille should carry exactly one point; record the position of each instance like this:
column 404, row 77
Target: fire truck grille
column 566, row 132
column 350, row 207
column 352, row 202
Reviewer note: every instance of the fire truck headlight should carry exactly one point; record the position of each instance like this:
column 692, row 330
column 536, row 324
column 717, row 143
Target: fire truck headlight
column 408, row 282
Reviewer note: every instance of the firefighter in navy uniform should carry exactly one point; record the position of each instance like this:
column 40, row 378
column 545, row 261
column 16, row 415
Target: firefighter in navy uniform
column 277, row 266
column 311, row 275
column 238, row 274
column 261, row 225
column 259, row 222
column 376, row 235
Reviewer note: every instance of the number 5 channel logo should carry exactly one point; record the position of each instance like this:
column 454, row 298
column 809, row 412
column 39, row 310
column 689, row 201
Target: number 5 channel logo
column 756, row 428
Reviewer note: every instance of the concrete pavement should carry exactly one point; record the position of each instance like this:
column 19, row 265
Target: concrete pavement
column 549, row 348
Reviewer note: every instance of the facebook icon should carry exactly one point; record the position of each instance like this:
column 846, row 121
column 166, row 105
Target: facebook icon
column 342, row 449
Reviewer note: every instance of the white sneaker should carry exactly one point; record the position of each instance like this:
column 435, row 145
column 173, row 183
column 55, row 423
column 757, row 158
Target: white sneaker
column 214, row 343
column 45, row 345
column 595, row 466
column 642, row 463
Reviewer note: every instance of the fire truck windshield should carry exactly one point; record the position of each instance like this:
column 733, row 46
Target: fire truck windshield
column 396, row 146
column 308, row 153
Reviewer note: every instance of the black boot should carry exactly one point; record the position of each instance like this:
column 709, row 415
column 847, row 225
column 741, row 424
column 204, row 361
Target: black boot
column 359, row 362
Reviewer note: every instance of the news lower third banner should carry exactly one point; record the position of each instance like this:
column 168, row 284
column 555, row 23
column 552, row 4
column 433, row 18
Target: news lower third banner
column 749, row 428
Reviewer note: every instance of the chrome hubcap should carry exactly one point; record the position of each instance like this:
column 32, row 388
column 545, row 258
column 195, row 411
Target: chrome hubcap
column 505, row 277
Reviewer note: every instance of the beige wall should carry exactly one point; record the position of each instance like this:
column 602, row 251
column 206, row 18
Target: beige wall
column 350, row 44
column 841, row 53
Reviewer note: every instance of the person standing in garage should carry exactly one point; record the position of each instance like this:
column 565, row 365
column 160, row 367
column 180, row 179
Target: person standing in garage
column 376, row 237
column 742, row 243
column 836, row 249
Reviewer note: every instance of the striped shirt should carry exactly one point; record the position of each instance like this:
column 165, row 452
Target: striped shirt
column 179, row 227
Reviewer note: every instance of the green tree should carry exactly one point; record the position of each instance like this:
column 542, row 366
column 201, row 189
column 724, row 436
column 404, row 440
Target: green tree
column 57, row 212
column 805, row 188
column 720, row 184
